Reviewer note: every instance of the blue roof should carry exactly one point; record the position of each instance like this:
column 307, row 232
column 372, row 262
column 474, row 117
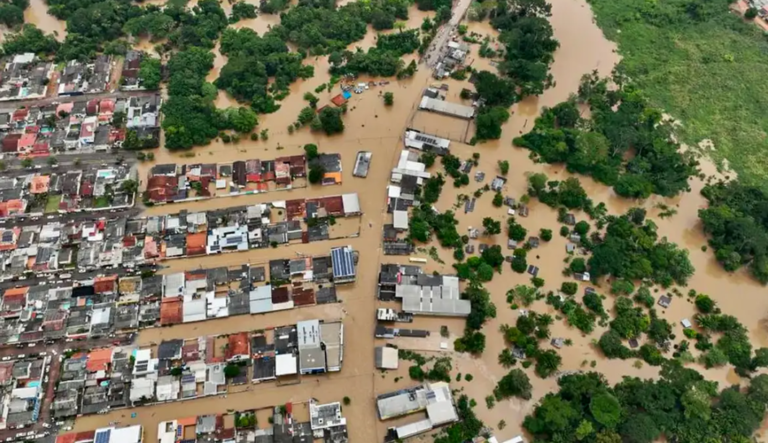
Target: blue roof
column 343, row 262
column 103, row 436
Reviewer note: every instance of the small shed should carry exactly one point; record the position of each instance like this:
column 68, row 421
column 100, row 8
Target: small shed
column 339, row 100
column 386, row 357
column 665, row 301
column 558, row 342
column 533, row 242
column 575, row 238
column 400, row 220
column 686, row 323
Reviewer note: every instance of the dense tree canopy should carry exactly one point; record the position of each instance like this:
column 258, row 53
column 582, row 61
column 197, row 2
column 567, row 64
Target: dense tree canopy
column 383, row 60
column 30, row 39
column 633, row 251
column 12, row 12
column 680, row 405
column 150, row 73
column 190, row 115
column 622, row 123
column 321, row 29
column 489, row 121
column 737, row 223
column 529, row 43
column 252, row 61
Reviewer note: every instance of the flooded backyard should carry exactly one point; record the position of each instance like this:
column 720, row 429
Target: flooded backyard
column 371, row 126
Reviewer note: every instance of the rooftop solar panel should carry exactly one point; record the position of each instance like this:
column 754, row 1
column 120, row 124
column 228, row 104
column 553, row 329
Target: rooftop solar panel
column 103, row 436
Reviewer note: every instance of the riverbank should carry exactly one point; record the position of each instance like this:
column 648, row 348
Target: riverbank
column 704, row 68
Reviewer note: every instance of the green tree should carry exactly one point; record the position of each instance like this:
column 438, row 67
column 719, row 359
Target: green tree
column 704, row 304
column 492, row 227
column 498, row 200
column 316, row 173
column 311, row 98
column 639, row 428
column 569, row 288
column 488, row 123
column 330, row 120
column 26, row 163
column 150, row 73
column 514, row 384
column 311, row 151
column 231, row 370
column 606, row 409
column 503, row 167
column 545, row 234
column 389, row 98
column 581, row 228
column 306, row 115
column 515, row 230
column 428, row 158
column 547, row 362
column 129, row 187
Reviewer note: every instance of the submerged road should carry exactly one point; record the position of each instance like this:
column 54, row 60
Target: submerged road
column 440, row 42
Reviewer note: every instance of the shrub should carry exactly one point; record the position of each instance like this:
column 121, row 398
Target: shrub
column 569, row 288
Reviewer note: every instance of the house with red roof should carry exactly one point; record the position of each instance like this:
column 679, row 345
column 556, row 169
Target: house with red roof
column 162, row 188
column 238, row 347
column 105, row 285
column 12, row 208
column 11, row 143
column 99, row 360
column 26, row 142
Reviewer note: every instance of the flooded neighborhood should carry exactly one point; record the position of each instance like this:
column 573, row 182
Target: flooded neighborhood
column 264, row 289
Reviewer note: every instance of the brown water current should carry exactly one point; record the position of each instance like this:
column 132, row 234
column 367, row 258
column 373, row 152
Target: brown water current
column 372, row 126
column 37, row 14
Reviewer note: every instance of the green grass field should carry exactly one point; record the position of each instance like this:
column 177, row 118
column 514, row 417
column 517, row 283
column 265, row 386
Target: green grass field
column 705, row 67
column 52, row 204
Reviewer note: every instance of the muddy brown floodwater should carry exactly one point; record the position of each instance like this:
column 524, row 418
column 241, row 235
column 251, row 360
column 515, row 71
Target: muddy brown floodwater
column 372, row 126
column 37, row 14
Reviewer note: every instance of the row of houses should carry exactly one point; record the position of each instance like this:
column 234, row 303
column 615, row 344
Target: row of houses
column 27, row 76
column 78, row 125
column 22, row 384
column 110, row 305
column 110, row 434
column 170, row 183
column 108, row 378
column 326, row 422
column 405, row 181
column 89, row 189
column 102, row 243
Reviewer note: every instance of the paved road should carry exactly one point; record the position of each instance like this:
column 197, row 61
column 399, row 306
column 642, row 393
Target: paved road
column 439, row 44
column 34, row 281
column 65, row 162
column 63, row 218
